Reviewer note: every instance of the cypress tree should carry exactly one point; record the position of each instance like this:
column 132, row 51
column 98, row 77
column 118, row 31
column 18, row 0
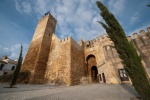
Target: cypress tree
column 127, row 52
column 18, row 67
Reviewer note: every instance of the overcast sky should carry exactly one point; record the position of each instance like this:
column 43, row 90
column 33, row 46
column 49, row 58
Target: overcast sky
column 76, row 18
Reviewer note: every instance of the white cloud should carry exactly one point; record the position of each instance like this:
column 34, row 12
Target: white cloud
column 14, row 51
column 40, row 6
column 23, row 7
column 116, row 6
column 4, row 51
column 86, row 20
column 26, row 7
column 18, row 7
column 74, row 17
column 134, row 18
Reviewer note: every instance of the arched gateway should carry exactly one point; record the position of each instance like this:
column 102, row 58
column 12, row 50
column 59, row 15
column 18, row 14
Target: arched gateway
column 91, row 68
column 50, row 59
column 94, row 74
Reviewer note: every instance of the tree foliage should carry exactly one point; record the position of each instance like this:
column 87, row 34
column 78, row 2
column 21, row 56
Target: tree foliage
column 127, row 52
column 18, row 67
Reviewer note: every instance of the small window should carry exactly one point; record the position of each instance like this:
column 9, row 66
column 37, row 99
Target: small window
column 123, row 75
column 100, row 77
column 87, row 45
column 13, row 68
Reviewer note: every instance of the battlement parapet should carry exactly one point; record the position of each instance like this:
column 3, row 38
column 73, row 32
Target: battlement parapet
column 142, row 39
column 68, row 39
column 129, row 38
column 148, row 29
column 105, row 36
column 135, row 35
column 100, row 39
column 142, row 34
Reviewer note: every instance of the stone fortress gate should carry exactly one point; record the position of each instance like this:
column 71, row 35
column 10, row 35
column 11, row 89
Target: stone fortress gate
column 50, row 59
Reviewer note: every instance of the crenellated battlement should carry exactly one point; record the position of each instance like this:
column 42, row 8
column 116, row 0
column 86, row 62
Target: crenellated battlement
column 95, row 41
column 129, row 38
column 68, row 39
column 142, row 35
column 141, row 40
column 148, row 29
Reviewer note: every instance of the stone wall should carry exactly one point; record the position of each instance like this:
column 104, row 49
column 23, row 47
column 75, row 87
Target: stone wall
column 37, row 55
column 77, row 62
column 113, row 64
column 52, row 64
column 107, row 59
column 59, row 61
column 65, row 62
column 142, row 45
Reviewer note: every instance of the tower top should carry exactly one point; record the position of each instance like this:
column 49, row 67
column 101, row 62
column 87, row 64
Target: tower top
column 47, row 13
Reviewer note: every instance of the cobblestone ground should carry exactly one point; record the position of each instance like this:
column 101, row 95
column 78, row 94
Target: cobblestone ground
column 78, row 92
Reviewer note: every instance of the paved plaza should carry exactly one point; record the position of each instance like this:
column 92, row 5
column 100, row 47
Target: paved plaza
column 78, row 92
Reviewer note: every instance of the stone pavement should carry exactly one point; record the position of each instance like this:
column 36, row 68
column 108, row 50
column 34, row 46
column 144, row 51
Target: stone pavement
column 78, row 92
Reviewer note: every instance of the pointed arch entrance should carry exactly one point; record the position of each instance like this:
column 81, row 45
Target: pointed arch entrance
column 94, row 73
column 91, row 69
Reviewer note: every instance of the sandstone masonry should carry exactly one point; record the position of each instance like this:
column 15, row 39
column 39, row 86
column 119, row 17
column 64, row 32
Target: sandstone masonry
column 66, row 62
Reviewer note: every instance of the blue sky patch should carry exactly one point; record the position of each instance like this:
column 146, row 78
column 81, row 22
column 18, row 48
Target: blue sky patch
column 75, row 18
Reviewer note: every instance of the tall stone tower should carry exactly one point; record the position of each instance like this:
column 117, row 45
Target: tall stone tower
column 37, row 56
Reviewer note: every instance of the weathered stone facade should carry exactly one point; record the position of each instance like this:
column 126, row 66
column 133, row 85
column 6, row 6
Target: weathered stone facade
column 50, row 59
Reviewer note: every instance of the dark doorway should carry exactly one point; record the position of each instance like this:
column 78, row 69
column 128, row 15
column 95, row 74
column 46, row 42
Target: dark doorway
column 103, row 75
column 91, row 61
column 13, row 68
column 94, row 73
column 1, row 66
